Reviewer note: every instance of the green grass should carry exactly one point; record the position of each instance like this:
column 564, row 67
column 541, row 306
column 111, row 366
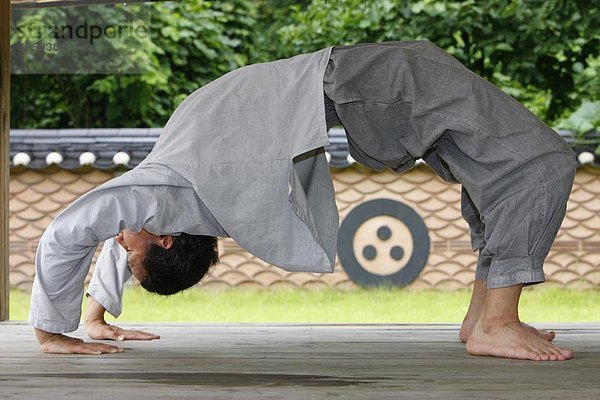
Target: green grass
column 331, row 306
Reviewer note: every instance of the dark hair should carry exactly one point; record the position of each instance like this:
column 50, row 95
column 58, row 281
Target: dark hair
column 168, row 271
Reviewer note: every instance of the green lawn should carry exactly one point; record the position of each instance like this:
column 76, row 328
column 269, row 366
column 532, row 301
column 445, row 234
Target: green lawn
column 380, row 305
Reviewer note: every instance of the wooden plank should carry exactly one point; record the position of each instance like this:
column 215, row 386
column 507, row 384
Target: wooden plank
column 296, row 361
column 4, row 155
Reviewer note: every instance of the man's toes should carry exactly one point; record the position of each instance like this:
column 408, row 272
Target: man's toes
column 554, row 355
column 544, row 357
column 559, row 354
column 567, row 353
column 545, row 352
column 555, row 350
column 532, row 355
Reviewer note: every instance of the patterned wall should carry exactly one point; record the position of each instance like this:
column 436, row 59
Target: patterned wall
column 36, row 196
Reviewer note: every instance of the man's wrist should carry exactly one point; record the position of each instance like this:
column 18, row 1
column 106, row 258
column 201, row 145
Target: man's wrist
column 43, row 336
column 94, row 311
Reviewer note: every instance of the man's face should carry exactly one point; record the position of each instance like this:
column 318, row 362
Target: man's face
column 136, row 245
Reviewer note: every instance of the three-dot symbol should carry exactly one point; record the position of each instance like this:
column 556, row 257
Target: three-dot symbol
column 367, row 263
column 383, row 233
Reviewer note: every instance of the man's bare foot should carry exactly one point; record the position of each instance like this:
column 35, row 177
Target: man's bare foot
column 466, row 329
column 476, row 307
column 513, row 340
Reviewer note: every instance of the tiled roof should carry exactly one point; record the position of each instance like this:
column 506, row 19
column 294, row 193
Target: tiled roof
column 124, row 148
column 70, row 144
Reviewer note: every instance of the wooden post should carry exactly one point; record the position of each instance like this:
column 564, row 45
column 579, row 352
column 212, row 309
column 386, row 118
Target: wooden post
column 4, row 155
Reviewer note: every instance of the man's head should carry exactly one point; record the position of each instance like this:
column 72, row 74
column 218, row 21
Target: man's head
column 168, row 264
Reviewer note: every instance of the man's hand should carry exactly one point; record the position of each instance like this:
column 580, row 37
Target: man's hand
column 57, row 343
column 97, row 328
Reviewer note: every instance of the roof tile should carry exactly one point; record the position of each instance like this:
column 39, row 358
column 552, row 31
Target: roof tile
column 138, row 142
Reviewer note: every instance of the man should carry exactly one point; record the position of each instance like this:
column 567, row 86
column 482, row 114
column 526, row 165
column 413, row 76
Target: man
column 242, row 157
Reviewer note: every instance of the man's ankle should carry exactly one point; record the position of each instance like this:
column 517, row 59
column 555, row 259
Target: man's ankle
column 491, row 322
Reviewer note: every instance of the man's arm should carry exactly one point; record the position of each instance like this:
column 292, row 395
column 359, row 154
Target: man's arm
column 65, row 253
column 105, row 293
column 111, row 273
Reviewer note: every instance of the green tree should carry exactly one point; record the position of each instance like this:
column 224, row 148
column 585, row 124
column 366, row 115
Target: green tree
column 541, row 45
column 546, row 53
column 193, row 43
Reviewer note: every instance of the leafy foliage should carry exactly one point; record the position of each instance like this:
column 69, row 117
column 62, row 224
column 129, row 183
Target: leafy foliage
column 545, row 53
column 540, row 45
column 193, row 43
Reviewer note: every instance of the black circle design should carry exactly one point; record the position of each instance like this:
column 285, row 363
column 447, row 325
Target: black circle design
column 384, row 232
column 397, row 252
column 375, row 208
column 370, row 252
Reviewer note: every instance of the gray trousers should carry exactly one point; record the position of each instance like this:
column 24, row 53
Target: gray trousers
column 400, row 101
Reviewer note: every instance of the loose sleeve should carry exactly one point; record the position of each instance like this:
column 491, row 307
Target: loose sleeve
column 111, row 273
column 66, row 248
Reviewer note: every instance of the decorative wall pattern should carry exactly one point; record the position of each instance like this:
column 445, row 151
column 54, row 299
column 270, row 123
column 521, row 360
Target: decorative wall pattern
column 36, row 196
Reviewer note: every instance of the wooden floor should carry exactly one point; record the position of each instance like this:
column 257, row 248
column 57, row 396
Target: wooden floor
column 266, row 361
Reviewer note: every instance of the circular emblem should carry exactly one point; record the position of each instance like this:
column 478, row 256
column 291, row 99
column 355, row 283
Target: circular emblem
column 383, row 242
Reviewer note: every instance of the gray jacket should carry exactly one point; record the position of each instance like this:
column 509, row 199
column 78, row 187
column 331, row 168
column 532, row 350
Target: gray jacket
column 249, row 145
